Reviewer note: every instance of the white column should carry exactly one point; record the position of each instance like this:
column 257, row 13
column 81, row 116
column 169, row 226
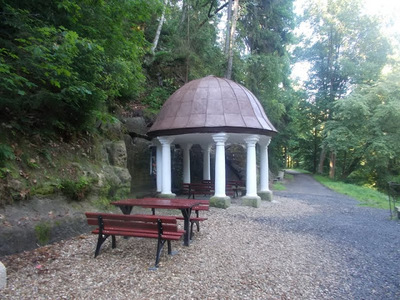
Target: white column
column 264, row 168
column 206, row 162
column 186, row 163
column 220, row 139
column 166, row 164
column 159, row 167
column 251, row 166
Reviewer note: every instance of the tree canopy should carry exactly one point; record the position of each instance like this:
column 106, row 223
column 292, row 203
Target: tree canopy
column 67, row 64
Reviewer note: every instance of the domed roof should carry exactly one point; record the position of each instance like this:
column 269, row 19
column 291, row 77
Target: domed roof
column 212, row 104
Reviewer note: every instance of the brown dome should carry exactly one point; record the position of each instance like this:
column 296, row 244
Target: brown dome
column 212, row 104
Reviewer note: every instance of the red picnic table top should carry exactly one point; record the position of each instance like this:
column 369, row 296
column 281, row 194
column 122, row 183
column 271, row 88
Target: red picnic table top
column 158, row 203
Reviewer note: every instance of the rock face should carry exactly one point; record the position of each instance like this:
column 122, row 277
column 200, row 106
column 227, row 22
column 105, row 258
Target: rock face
column 139, row 152
column 117, row 155
column 27, row 225
column 124, row 162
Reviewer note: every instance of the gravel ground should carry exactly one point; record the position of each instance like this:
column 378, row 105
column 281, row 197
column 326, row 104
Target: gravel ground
column 309, row 243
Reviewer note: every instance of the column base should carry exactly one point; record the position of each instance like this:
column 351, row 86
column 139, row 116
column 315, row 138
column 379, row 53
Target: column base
column 253, row 201
column 220, row 202
column 265, row 195
column 168, row 196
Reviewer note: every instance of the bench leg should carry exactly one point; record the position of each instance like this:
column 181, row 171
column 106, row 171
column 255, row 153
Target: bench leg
column 100, row 241
column 191, row 227
column 160, row 246
column 114, row 242
column 169, row 247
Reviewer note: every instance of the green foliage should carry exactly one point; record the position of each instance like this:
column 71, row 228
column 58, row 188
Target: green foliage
column 76, row 190
column 64, row 61
column 365, row 132
column 44, row 189
column 289, row 176
column 102, row 203
column 187, row 48
column 6, row 153
column 341, row 57
column 365, row 195
column 156, row 98
column 43, row 232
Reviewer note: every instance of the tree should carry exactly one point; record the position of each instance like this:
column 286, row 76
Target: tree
column 231, row 40
column 340, row 53
column 187, row 49
column 65, row 62
column 365, row 132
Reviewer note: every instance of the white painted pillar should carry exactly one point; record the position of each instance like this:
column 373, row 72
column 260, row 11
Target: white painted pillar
column 159, row 167
column 166, row 163
column 264, row 167
column 186, row 162
column 3, row 276
column 220, row 181
column 206, row 162
column 251, row 166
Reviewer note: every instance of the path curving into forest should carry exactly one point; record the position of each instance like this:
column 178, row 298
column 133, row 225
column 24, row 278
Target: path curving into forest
column 368, row 240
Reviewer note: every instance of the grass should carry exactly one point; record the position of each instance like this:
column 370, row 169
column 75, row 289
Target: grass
column 288, row 176
column 278, row 186
column 365, row 195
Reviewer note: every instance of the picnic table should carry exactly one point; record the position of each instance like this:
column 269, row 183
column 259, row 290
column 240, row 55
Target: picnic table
column 184, row 205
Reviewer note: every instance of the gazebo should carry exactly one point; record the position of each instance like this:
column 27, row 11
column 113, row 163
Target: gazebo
column 213, row 111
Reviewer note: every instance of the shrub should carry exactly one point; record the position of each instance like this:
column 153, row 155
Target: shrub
column 6, row 153
column 42, row 231
column 76, row 190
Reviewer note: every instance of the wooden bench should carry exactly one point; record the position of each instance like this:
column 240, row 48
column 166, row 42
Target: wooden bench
column 192, row 189
column 238, row 187
column 204, row 205
column 162, row 228
column 204, row 189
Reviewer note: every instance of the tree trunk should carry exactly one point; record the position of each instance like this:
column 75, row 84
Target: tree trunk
column 351, row 168
column 315, row 151
column 332, row 165
column 232, row 39
column 188, row 47
column 321, row 161
column 160, row 24
column 228, row 28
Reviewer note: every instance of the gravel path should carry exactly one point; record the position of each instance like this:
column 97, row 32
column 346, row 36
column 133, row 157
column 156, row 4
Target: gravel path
column 309, row 243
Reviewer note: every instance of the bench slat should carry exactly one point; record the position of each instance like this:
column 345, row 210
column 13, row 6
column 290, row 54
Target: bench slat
column 167, row 236
column 137, row 217
column 162, row 228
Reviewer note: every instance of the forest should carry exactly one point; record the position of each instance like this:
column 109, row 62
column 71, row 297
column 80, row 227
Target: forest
column 66, row 65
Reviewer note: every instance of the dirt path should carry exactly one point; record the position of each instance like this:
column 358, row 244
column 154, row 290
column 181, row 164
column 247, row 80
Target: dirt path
column 305, row 184
column 368, row 240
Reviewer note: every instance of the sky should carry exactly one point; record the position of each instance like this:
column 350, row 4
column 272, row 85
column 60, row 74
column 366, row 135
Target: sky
column 389, row 9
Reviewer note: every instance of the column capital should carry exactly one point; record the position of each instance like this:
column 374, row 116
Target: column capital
column 186, row 146
column 265, row 141
column 205, row 146
column 220, row 138
column 166, row 140
column 251, row 140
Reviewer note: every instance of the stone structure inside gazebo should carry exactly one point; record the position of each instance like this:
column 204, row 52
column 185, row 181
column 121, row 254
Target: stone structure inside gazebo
column 213, row 111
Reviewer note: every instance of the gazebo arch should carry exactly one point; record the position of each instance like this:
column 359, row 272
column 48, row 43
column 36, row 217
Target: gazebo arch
column 213, row 111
